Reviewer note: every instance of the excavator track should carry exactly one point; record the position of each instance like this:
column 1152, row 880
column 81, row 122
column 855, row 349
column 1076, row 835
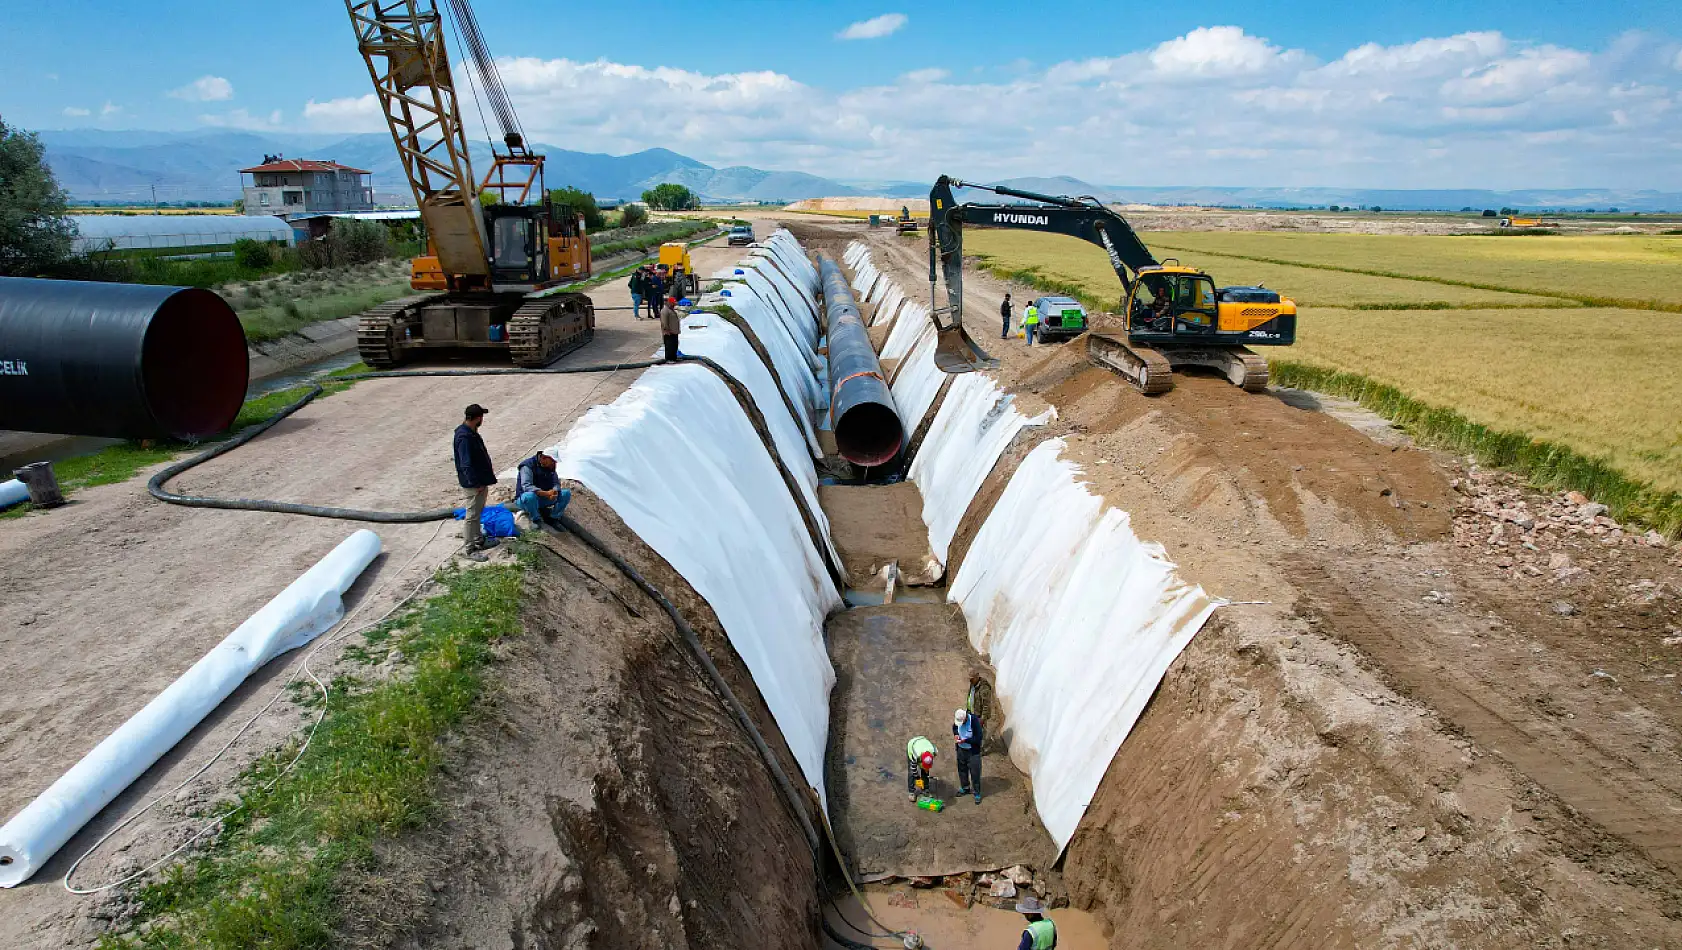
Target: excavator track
column 548, row 328
column 1148, row 370
column 376, row 331
column 1238, row 364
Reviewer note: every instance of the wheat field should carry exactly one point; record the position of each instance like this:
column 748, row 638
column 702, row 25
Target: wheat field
column 1600, row 380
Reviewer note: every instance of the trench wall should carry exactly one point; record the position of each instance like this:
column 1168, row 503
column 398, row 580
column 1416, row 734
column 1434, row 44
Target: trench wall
column 1079, row 617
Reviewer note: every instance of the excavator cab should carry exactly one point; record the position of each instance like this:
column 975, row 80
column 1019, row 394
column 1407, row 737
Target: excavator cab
column 1170, row 302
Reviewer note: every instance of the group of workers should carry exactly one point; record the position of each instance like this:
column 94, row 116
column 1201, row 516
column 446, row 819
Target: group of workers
column 968, row 733
column 920, row 755
column 1030, row 320
column 537, row 488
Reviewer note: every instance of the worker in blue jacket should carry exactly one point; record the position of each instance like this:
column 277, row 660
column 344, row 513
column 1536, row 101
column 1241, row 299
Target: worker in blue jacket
column 967, row 735
column 538, row 491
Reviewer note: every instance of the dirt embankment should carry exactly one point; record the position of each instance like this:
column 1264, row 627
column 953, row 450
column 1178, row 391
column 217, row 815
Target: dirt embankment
column 606, row 797
column 1406, row 743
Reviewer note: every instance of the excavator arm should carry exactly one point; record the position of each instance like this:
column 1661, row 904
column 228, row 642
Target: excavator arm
column 1085, row 218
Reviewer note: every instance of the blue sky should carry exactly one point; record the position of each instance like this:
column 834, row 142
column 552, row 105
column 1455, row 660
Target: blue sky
column 1498, row 94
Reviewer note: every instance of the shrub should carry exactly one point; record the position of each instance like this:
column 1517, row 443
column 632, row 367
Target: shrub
column 253, row 255
column 359, row 242
column 633, row 215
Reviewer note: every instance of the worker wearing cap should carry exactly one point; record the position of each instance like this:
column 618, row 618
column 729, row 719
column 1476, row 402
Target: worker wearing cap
column 538, row 491
column 476, row 475
column 919, row 766
column 1040, row 934
column 669, row 326
column 966, row 734
column 1030, row 322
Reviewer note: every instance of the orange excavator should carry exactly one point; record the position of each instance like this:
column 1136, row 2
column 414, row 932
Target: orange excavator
column 499, row 252
column 1172, row 317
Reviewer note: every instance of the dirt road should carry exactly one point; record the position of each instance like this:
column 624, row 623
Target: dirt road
column 1428, row 733
column 111, row 598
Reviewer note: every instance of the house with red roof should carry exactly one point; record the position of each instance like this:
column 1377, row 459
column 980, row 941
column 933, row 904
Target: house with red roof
column 295, row 186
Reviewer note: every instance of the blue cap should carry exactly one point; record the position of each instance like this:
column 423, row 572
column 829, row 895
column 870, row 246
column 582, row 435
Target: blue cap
column 740, row 271
column 725, row 293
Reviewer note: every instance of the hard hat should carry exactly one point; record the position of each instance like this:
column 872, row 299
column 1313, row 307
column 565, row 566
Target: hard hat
column 927, row 759
column 958, row 717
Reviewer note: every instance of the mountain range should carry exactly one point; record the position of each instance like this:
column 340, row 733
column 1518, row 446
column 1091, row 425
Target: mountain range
column 136, row 166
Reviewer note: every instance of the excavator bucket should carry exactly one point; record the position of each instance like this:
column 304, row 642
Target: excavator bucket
column 956, row 352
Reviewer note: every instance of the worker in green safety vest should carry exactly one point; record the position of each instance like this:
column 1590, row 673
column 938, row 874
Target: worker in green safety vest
column 1040, row 934
column 1030, row 323
column 919, row 766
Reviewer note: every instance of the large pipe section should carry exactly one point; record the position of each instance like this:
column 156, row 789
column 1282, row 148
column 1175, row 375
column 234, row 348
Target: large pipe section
column 861, row 407
column 126, row 361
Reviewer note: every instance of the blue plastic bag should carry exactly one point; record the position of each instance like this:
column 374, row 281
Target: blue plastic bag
column 495, row 520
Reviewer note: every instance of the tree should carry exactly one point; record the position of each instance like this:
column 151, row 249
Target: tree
column 631, row 215
column 35, row 235
column 671, row 197
column 239, row 206
column 581, row 202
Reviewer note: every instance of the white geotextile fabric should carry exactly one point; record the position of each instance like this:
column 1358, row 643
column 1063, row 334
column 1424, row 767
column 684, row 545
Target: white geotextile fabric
column 308, row 607
column 678, row 461
column 1080, row 620
column 913, row 323
column 801, row 301
column 792, row 256
column 803, row 326
column 12, row 492
column 917, row 380
column 976, row 423
column 795, row 365
column 885, row 308
column 712, row 336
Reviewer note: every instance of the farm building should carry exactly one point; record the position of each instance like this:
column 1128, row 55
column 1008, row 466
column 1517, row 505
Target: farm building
column 184, row 234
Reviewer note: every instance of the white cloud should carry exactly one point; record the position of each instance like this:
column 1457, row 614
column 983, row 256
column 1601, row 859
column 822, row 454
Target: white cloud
column 205, row 89
column 54, row 76
column 109, row 109
column 873, row 28
column 76, row 111
column 350, row 114
column 1213, row 105
column 1218, row 51
column 242, row 119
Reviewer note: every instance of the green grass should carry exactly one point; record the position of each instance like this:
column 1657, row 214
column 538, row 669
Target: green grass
column 289, row 308
column 276, row 874
column 1548, row 464
column 673, row 232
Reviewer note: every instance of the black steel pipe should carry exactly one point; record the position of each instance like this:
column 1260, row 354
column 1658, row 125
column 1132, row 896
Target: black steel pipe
column 126, row 361
column 861, row 407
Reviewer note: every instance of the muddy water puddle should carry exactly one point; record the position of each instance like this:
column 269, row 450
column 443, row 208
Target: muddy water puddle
column 939, row 916
column 877, row 596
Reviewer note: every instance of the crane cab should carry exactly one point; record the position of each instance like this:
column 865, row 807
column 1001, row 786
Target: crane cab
column 1172, row 303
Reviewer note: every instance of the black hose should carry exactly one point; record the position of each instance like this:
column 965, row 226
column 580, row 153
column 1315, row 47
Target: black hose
column 155, row 485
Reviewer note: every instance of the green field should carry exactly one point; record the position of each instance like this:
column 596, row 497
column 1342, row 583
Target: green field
column 1498, row 330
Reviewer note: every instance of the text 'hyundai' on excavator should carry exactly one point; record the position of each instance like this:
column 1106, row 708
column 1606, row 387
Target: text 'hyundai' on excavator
column 1171, row 316
column 499, row 263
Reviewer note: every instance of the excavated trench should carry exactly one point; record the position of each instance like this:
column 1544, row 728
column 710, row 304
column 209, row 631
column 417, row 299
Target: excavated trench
column 1264, row 794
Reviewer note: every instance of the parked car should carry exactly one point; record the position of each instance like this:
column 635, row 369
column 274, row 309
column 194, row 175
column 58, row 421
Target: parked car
column 1061, row 318
column 741, row 234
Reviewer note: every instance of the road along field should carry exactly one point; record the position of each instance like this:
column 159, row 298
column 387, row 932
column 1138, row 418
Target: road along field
column 1441, row 711
column 1591, row 378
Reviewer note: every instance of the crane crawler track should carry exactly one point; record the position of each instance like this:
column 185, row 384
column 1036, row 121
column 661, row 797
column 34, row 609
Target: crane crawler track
column 376, row 330
column 544, row 330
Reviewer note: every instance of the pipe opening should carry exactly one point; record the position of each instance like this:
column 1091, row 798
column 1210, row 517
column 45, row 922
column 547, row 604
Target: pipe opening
column 868, row 434
column 194, row 365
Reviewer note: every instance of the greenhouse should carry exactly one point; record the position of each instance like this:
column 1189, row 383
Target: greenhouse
column 183, row 234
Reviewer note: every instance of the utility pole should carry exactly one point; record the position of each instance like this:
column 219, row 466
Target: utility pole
column 154, row 198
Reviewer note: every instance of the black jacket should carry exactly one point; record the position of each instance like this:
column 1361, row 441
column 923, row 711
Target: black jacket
column 639, row 282
column 1004, row 310
column 473, row 462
